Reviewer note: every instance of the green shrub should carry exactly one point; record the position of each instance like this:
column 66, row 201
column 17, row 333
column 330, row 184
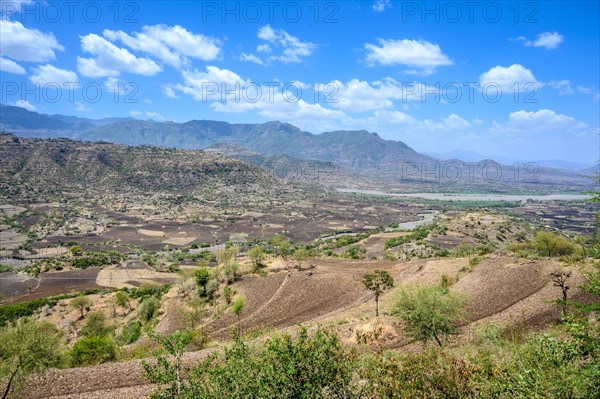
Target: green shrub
column 314, row 366
column 93, row 350
column 131, row 332
column 147, row 308
column 95, row 324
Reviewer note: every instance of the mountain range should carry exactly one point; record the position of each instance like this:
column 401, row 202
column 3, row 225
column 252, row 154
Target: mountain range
column 473, row 156
column 364, row 156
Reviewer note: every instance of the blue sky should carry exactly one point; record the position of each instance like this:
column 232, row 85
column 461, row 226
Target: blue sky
column 517, row 79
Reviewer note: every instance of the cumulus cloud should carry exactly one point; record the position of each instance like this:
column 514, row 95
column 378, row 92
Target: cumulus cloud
column 49, row 74
column 171, row 44
column 420, row 55
column 360, row 96
column 111, row 60
column 25, row 104
column 543, row 120
column 10, row 66
column 381, row 5
column 548, row 40
column 291, row 49
column 22, row 44
column 507, row 77
column 451, row 122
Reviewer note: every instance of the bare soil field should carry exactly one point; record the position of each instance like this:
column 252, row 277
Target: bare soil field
column 16, row 284
column 118, row 277
column 56, row 283
column 332, row 294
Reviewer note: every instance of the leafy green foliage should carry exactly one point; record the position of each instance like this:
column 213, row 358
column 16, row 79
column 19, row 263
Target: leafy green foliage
column 378, row 282
column 314, row 366
column 92, row 260
column 95, row 324
column 81, row 303
column 148, row 308
column 429, row 312
column 27, row 347
column 551, row 244
column 122, row 299
column 559, row 364
column 131, row 332
column 282, row 245
column 257, row 255
column 418, row 234
column 4, row 268
column 93, row 349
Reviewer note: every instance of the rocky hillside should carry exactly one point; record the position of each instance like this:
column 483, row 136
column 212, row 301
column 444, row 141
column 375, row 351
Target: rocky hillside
column 62, row 164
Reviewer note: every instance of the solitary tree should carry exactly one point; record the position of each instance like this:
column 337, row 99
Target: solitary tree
column 546, row 242
column 559, row 279
column 300, row 255
column 237, row 309
column 430, row 312
column 123, row 300
column 28, row 347
column 81, row 303
column 378, row 282
column 257, row 255
column 282, row 244
column 201, row 275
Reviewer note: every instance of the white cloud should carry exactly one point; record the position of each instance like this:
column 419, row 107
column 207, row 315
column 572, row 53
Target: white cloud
column 25, row 104
column 22, row 44
column 111, row 60
column 420, row 55
column 150, row 115
column 251, row 58
column 82, row 107
column 263, row 48
column 563, row 86
column 359, row 96
column 169, row 92
column 293, row 50
column 381, row 5
column 451, row 122
column 171, row 44
column 49, row 74
column 548, row 40
column 543, row 120
column 507, row 77
column 10, row 66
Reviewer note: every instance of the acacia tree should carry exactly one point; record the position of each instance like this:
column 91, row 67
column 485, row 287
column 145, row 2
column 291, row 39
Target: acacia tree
column 257, row 255
column 300, row 255
column 123, row 300
column 430, row 312
column 282, row 244
column 28, row 347
column 81, row 303
column 378, row 282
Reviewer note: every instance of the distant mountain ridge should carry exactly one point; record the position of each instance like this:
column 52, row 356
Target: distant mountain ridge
column 473, row 156
column 358, row 150
column 363, row 159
